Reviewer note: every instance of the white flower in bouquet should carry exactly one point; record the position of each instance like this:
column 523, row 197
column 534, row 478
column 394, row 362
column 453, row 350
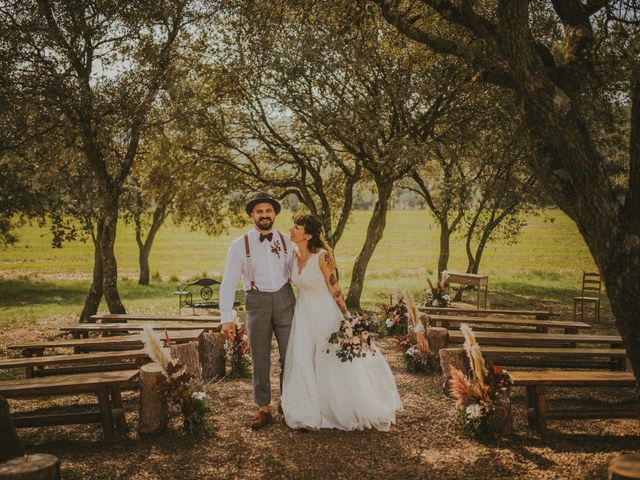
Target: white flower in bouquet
column 349, row 332
column 411, row 351
column 473, row 411
column 199, row 395
column 389, row 322
column 356, row 341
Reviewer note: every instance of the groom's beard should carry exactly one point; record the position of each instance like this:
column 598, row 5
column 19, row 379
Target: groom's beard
column 264, row 225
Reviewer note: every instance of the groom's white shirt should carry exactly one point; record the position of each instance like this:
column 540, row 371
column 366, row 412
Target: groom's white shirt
column 270, row 273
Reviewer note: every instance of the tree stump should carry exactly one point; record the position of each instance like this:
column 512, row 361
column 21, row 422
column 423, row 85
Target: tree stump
column 212, row 355
column 504, row 412
column 437, row 338
column 188, row 354
column 40, row 466
column 153, row 400
column 626, row 466
column 10, row 444
column 452, row 357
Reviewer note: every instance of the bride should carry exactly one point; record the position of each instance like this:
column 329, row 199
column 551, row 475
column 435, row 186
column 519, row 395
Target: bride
column 320, row 391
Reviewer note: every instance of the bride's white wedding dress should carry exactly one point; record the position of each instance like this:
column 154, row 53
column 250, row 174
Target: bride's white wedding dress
column 320, row 391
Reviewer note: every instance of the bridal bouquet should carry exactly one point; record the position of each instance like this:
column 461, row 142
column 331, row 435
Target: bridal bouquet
column 182, row 390
column 394, row 318
column 353, row 339
column 237, row 349
column 437, row 296
column 482, row 397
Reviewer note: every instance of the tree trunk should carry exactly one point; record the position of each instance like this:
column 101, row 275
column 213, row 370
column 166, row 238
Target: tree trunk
column 110, row 266
column 445, row 237
column 10, row 444
column 159, row 215
column 40, row 466
column 94, row 296
column 153, row 400
column 452, row 357
column 437, row 339
column 212, row 355
column 374, row 234
column 188, row 354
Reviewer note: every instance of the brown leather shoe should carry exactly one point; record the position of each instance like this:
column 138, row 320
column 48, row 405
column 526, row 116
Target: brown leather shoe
column 261, row 419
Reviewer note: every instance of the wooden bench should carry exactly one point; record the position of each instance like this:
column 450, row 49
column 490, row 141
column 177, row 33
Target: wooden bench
column 82, row 330
column 541, row 326
column 610, row 358
column 537, row 382
column 123, row 342
column 106, row 386
column 512, row 339
column 40, row 363
column 538, row 314
column 123, row 318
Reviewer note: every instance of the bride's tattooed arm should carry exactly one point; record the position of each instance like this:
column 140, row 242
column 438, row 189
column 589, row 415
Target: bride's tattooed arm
column 328, row 268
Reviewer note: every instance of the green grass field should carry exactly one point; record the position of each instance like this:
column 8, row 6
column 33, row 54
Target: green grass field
column 542, row 270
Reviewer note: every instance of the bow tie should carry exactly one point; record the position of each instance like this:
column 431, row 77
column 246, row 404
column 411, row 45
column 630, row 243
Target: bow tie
column 268, row 236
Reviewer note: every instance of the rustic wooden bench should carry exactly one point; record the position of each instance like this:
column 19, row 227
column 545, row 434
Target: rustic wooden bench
column 536, row 339
column 541, row 326
column 123, row 342
column 82, row 330
column 536, row 383
column 538, row 314
column 123, row 318
column 603, row 358
column 106, row 386
column 30, row 364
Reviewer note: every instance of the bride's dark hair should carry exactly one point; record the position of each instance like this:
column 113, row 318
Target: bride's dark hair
column 313, row 226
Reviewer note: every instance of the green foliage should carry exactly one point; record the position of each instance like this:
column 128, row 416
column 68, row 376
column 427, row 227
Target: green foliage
column 485, row 429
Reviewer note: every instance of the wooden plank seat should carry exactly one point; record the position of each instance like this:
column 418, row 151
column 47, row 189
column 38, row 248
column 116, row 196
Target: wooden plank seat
column 41, row 363
column 538, row 314
column 79, row 330
column 536, row 383
column 536, row 339
column 607, row 358
column 105, row 343
column 105, row 385
column 541, row 326
column 123, row 318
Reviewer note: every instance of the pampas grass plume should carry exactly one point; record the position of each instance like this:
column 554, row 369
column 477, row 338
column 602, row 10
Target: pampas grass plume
column 459, row 386
column 153, row 347
column 475, row 355
column 411, row 306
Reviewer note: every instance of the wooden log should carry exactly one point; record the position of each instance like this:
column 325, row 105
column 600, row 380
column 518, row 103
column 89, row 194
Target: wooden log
column 212, row 355
column 437, row 338
column 452, row 357
column 504, row 412
column 10, row 444
column 188, row 354
column 40, row 466
column 153, row 401
column 626, row 466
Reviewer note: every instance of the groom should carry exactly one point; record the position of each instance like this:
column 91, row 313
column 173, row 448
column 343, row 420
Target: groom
column 263, row 258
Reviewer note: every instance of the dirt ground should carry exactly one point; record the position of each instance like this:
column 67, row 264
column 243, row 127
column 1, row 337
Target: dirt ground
column 425, row 443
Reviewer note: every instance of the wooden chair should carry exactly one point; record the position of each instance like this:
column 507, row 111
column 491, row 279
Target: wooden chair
column 591, row 285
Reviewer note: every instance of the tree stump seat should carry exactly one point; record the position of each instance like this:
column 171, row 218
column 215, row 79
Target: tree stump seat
column 625, row 466
column 40, row 466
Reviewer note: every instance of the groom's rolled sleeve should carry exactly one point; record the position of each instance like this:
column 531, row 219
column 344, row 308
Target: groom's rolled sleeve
column 232, row 274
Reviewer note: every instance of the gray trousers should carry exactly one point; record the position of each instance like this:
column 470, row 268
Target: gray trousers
column 268, row 313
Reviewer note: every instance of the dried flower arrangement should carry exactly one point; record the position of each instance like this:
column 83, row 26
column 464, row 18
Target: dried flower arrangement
column 437, row 296
column 237, row 349
column 394, row 319
column 416, row 354
column 182, row 389
column 479, row 397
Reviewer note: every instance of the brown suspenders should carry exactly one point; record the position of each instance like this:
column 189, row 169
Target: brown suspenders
column 247, row 252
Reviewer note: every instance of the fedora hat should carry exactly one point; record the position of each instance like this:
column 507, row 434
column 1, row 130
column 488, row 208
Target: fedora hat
column 262, row 197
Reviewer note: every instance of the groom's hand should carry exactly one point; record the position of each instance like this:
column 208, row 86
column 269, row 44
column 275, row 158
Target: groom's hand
column 229, row 330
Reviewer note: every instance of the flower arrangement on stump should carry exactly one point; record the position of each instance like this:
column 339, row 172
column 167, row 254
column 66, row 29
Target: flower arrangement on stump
column 416, row 354
column 182, row 390
column 394, row 319
column 237, row 350
column 482, row 399
column 437, row 296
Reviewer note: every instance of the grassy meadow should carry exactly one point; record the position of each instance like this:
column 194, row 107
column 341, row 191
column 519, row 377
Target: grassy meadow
column 543, row 269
